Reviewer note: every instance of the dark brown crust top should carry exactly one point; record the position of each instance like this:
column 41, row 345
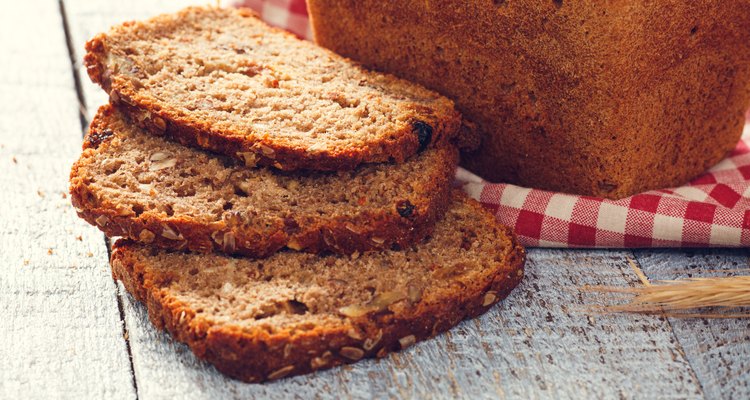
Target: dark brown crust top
column 442, row 119
column 255, row 356
column 346, row 234
column 595, row 98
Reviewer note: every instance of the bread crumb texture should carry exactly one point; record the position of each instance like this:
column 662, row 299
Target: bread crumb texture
column 223, row 79
column 294, row 313
column 132, row 184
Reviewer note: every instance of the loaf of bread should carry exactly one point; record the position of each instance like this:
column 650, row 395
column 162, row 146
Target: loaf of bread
column 295, row 313
column 332, row 180
column 224, row 80
column 589, row 97
column 132, row 184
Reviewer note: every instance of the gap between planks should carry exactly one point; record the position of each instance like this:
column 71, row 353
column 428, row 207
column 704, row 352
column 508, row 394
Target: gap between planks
column 83, row 116
column 61, row 332
column 82, row 107
column 678, row 343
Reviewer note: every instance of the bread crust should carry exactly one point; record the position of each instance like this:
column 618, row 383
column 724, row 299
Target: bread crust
column 358, row 232
column 442, row 120
column 255, row 356
column 582, row 97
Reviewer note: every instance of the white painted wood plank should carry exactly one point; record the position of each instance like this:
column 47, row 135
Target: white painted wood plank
column 535, row 345
column 718, row 349
column 61, row 334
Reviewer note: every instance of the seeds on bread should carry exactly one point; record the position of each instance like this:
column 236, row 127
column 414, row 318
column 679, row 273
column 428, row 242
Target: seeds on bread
column 294, row 312
column 223, row 80
column 143, row 187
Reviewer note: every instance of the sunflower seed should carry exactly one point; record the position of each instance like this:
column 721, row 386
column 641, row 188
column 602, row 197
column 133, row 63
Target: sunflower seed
column 281, row 372
column 489, row 298
column 102, row 220
column 370, row 343
column 352, row 353
column 171, row 234
column 407, row 341
column 250, row 158
column 146, row 236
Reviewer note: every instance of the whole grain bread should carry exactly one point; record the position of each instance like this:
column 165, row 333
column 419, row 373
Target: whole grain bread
column 223, row 80
column 598, row 98
column 132, row 184
column 294, row 313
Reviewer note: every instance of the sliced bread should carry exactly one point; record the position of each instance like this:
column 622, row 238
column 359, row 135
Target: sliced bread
column 294, row 313
column 224, row 80
column 140, row 186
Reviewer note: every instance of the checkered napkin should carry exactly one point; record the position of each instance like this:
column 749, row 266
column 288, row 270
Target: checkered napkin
column 711, row 211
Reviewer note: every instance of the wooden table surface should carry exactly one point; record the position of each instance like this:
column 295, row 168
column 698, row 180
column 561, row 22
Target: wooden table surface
column 67, row 330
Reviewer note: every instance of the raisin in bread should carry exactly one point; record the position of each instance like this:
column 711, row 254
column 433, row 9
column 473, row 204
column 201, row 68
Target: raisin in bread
column 222, row 79
column 598, row 98
column 294, row 313
column 132, row 184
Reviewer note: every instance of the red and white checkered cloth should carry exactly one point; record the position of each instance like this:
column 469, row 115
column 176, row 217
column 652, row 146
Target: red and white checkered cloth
column 711, row 211
column 288, row 14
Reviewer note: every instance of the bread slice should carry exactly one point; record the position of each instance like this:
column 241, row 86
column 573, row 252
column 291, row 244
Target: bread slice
column 143, row 187
column 294, row 313
column 223, row 80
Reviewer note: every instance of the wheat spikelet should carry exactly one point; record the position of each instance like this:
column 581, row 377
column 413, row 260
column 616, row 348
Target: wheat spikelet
column 678, row 297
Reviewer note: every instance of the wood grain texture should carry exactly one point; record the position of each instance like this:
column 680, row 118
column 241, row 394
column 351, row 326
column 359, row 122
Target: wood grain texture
column 718, row 350
column 61, row 334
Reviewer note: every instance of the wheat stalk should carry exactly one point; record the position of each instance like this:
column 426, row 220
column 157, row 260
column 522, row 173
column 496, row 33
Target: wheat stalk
column 677, row 297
